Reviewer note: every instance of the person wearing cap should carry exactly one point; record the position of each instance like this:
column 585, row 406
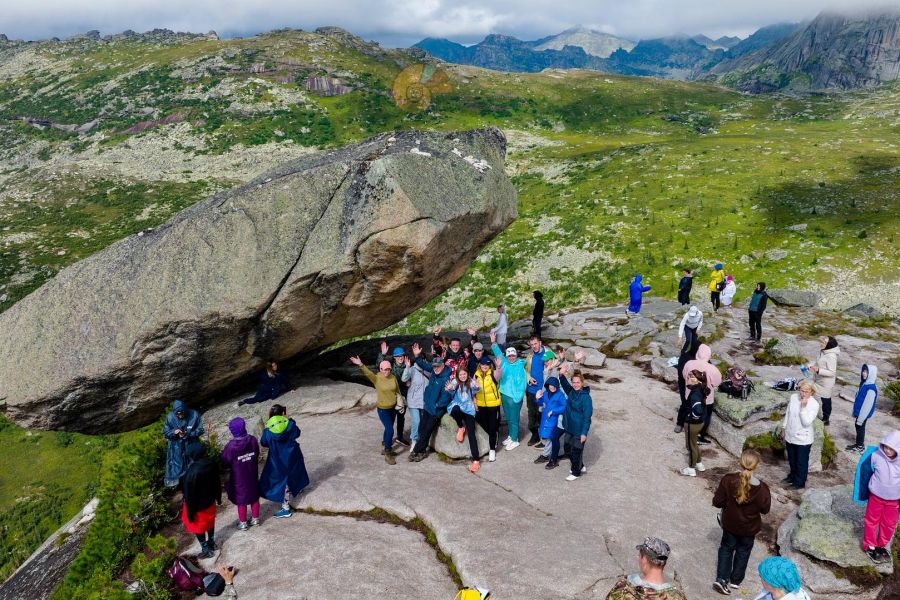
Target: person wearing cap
column 650, row 583
column 730, row 290
column 387, row 388
column 182, row 429
column 780, row 580
column 513, row 381
column 476, row 353
column 241, row 457
column 284, row 474
column 488, row 402
column 691, row 324
column 435, row 400
column 416, row 380
column 397, row 359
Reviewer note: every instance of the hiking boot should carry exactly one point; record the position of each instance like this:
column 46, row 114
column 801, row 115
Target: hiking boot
column 541, row 459
column 239, row 403
column 254, row 522
column 460, row 434
column 243, row 525
column 875, row 555
column 703, row 442
column 205, row 553
column 679, row 429
column 540, row 445
column 734, row 586
column 534, row 439
column 283, row 513
column 492, row 456
column 688, row 472
column 884, row 553
column 211, row 544
column 403, row 441
column 826, row 422
column 721, row 587
column 512, row 445
column 389, row 457
column 476, row 464
column 552, row 464
column 700, row 467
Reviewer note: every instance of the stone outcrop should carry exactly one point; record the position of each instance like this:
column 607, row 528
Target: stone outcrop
column 327, row 247
column 445, row 440
column 789, row 297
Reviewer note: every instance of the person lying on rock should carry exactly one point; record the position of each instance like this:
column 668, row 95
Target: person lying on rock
column 284, row 474
column 650, row 583
column 780, row 580
column 513, row 381
column 398, row 365
column 435, row 400
column 387, row 388
column 202, row 488
column 576, row 419
column 271, row 385
column 241, row 457
column 183, row 427
column 462, row 409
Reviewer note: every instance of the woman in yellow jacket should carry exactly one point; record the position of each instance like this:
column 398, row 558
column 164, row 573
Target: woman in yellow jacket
column 487, row 403
column 716, row 285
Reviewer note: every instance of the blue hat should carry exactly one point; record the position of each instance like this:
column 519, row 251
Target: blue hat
column 552, row 381
column 486, row 360
column 398, row 351
column 719, row 266
column 779, row 572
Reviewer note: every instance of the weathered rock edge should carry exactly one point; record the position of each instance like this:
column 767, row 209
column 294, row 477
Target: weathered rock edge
column 330, row 246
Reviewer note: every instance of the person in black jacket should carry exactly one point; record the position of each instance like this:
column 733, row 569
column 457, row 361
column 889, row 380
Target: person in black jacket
column 202, row 487
column 271, row 385
column 538, row 314
column 684, row 287
column 696, row 383
column 755, row 310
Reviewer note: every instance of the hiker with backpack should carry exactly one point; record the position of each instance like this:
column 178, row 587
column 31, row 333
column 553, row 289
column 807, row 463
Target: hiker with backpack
column 202, row 488
column 488, row 402
column 387, row 388
column 513, row 382
column 743, row 499
column 712, row 378
column 462, row 410
column 241, row 456
column 864, row 404
column 284, row 474
column 878, row 486
column 780, row 580
column 825, row 369
column 576, row 419
column 729, row 290
column 182, row 429
column 696, row 382
column 552, row 403
column 716, row 285
column 689, row 329
column 799, row 434
column 755, row 310
column 684, row 287
column 636, row 292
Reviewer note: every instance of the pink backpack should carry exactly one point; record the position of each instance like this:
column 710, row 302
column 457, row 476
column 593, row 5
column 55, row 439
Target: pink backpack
column 187, row 576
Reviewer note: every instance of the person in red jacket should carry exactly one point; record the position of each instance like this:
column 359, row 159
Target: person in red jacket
column 743, row 499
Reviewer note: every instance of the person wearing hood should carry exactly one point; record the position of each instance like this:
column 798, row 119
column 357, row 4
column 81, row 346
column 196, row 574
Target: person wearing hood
column 488, row 401
column 825, row 369
column 241, row 457
column 435, row 399
column 691, row 324
column 537, row 315
column 552, row 403
column 636, row 292
column 864, row 404
column 882, row 509
column 755, row 310
column 284, row 474
column 780, row 580
column 576, row 419
column 387, row 388
column 716, row 285
column 182, row 428
column 729, row 291
column 799, row 434
column 202, row 489
column 713, row 380
column 743, row 499
column 684, row 287
column 513, row 382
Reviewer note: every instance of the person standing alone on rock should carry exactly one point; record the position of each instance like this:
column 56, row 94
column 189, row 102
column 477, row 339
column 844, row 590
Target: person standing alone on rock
column 864, row 405
column 513, row 381
column 684, row 287
column 781, row 580
column 284, row 474
column 713, row 380
column 387, row 388
column 755, row 310
column 576, row 419
column 488, row 401
column 502, row 326
column 636, row 292
column 716, row 285
column 744, row 499
column 435, row 400
column 650, row 583
column 799, row 434
column 182, row 429
column 696, row 383
column 537, row 315
column 241, row 456
column 825, row 369
column 882, row 511
column 462, row 409
column 202, row 488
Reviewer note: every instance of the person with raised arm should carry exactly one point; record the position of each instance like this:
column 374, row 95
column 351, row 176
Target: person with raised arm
column 387, row 388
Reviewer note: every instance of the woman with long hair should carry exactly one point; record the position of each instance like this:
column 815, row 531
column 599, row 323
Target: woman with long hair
column 202, row 492
column 825, row 369
column 696, row 400
column 743, row 499
column 462, row 409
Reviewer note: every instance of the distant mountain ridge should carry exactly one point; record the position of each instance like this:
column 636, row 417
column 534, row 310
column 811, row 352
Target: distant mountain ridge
column 593, row 42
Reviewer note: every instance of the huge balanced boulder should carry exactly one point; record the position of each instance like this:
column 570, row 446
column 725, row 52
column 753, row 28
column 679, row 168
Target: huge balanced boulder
column 333, row 245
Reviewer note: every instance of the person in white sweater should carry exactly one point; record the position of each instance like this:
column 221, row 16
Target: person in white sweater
column 689, row 330
column 825, row 369
column 798, row 432
column 729, row 291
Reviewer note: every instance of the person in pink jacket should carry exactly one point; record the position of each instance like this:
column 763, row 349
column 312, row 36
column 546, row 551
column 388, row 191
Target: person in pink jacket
column 713, row 379
column 882, row 510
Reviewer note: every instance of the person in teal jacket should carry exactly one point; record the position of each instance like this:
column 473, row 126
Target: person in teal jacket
column 576, row 419
column 513, row 381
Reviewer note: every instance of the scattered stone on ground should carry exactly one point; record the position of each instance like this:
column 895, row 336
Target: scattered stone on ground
column 789, row 297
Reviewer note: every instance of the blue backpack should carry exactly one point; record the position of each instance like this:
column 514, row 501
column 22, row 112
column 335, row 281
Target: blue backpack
column 864, row 472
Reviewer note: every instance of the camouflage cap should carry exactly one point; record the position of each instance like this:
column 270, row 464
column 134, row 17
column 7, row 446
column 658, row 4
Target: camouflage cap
column 655, row 548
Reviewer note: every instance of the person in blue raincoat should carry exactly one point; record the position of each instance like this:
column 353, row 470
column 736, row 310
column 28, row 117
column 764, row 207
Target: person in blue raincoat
column 285, row 472
column 552, row 403
column 636, row 293
column 182, row 428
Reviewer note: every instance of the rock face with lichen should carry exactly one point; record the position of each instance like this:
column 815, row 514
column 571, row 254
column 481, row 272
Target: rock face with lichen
column 330, row 246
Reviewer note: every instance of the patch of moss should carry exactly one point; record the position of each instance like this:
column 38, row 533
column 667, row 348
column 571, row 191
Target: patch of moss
column 829, row 450
column 765, row 441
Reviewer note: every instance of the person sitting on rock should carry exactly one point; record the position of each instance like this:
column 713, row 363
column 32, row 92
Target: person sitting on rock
column 513, row 381
column 713, row 381
column 462, row 409
column 780, row 580
column 202, row 488
column 729, row 291
column 716, row 285
column 183, row 428
column 271, row 385
column 882, row 511
column 284, row 474
column 799, row 434
column 397, row 359
column 696, row 383
column 387, row 388
column 636, row 292
column 650, row 583
column 552, row 402
column 241, row 456
column 684, row 287
column 755, row 310
column 864, row 405
column 488, row 402
column 576, row 419
column 435, row 400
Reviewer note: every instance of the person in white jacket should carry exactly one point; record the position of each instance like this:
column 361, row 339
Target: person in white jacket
column 825, row 369
column 689, row 330
column 799, row 417
column 729, row 291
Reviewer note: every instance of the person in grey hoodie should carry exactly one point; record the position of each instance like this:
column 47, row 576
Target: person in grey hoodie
column 825, row 369
column 691, row 323
column 417, row 379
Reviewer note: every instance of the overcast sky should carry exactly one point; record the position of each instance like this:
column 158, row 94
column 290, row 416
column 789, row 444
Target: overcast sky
column 404, row 22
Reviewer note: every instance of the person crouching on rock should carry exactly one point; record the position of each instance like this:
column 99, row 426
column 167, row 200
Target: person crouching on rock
column 435, row 400
column 552, row 402
column 271, row 385
column 284, row 474
column 241, row 456
column 576, row 419
column 462, row 409
column 183, row 427
column 882, row 507
column 488, row 402
column 202, row 492
column 387, row 388
column 696, row 383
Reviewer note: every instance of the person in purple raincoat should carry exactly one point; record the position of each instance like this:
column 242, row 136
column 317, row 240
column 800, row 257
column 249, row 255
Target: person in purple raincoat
column 241, row 456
